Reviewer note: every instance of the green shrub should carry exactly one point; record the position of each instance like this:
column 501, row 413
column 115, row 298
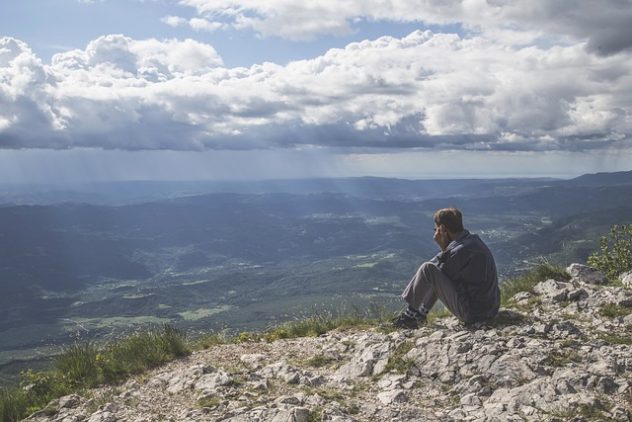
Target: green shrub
column 42, row 387
column 615, row 252
column 526, row 282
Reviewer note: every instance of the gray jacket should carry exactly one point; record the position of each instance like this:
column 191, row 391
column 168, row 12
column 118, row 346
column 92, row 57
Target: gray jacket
column 469, row 263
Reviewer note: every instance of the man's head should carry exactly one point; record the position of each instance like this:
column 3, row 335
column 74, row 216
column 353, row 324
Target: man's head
column 450, row 218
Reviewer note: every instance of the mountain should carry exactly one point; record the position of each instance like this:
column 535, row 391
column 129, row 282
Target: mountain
column 136, row 192
column 602, row 179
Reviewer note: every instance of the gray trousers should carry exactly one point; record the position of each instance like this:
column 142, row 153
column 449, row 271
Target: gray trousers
column 429, row 284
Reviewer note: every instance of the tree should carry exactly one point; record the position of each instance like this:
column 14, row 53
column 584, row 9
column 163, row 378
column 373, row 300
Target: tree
column 615, row 252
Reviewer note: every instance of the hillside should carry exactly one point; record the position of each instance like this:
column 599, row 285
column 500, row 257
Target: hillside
column 559, row 351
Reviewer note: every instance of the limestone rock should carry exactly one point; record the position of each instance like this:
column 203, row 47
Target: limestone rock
column 626, row 279
column 392, row 396
column 556, row 291
column 70, row 401
column 208, row 383
column 521, row 297
column 369, row 360
column 585, row 274
column 252, row 360
column 577, row 295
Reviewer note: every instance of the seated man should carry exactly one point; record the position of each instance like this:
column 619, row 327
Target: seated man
column 463, row 276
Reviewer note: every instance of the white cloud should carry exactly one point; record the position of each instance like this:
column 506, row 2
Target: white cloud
column 126, row 59
column 604, row 24
column 204, row 25
column 197, row 24
column 174, row 21
column 426, row 90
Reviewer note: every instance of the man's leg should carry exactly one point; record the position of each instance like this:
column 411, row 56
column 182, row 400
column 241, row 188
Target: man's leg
column 429, row 284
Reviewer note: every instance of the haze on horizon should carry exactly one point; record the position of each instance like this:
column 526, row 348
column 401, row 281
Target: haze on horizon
column 95, row 90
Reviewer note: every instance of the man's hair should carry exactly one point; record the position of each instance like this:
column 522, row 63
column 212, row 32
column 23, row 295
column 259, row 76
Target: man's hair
column 451, row 218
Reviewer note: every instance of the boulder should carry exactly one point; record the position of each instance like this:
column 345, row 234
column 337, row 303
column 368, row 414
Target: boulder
column 208, row 383
column 555, row 291
column 585, row 274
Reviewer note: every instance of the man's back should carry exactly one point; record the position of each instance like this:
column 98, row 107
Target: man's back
column 470, row 264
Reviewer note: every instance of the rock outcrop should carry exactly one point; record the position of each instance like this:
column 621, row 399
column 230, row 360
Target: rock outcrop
column 561, row 353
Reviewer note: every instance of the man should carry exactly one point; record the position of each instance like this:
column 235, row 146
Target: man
column 463, row 276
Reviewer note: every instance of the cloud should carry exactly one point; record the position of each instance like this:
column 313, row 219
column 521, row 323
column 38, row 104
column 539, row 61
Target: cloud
column 605, row 25
column 425, row 90
column 174, row 21
column 196, row 24
column 204, row 25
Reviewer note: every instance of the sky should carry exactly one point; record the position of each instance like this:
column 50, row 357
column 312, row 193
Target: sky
column 257, row 89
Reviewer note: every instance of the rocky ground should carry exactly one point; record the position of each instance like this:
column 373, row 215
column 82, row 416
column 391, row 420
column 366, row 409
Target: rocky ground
column 561, row 353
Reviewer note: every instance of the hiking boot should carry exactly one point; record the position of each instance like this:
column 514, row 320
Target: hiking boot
column 406, row 322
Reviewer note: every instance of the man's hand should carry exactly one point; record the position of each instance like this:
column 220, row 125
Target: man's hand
column 441, row 237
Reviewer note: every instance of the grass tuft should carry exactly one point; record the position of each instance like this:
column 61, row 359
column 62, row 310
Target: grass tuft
column 612, row 310
column 321, row 322
column 319, row 361
column 397, row 361
column 142, row 351
column 13, row 403
column 78, row 365
column 326, row 321
column 436, row 314
column 316, row 414
column 624, row 339
column 207, row 341
column 210, row 402
column 558, row 358
column 585, row 411
column 84, row 365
